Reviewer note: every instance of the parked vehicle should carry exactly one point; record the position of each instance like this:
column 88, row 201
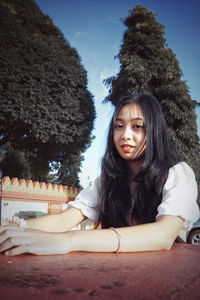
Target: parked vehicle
column 193, row 236
column 29, row 214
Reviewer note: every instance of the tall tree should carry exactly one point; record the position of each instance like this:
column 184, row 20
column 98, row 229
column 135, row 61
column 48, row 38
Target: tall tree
column 46, row 110
column 148, row 65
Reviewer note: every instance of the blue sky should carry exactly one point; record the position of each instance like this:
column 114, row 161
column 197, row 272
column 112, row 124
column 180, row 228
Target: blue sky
column 95, row 29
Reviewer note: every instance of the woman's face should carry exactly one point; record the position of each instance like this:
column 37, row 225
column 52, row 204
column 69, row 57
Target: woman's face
column 129, row 133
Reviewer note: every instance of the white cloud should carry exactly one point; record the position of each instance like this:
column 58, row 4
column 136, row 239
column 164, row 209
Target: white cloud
column 103, row 75
column 114, row 20
column 79, row 34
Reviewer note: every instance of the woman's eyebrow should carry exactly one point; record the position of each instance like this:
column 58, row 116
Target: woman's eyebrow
column 133, row 119
column 138, row 119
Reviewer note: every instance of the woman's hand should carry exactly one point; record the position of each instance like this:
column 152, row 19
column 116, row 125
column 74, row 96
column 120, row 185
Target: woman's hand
column 15, row 241
column 5, row 224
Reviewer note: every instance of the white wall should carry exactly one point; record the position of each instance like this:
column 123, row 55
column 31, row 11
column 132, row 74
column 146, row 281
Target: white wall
column 9, row 208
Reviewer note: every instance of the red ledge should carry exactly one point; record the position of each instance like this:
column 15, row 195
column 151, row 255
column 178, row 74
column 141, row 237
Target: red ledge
column 165, row 275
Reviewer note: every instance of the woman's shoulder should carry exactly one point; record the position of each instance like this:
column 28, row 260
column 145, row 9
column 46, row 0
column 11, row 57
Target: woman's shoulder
column 182, row 169
column 180, row 173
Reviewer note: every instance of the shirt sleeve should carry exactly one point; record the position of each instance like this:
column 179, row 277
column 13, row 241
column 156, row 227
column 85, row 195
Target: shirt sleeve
column 180, row 195
column 88, row 201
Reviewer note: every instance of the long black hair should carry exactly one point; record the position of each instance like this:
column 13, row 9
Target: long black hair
column 117, row 201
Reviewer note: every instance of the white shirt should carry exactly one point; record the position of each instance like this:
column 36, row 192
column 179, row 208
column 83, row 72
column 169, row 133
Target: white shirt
column 179, row 198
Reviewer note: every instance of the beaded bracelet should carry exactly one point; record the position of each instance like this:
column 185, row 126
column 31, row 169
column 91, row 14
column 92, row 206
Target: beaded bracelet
column 118, row 237
column 20, row 222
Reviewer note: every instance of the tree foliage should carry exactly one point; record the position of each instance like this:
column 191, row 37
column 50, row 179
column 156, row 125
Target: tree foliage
column 148, row 65
column 46, row 111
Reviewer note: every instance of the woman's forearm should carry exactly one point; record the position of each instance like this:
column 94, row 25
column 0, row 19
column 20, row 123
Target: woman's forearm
column 159, row 235
column 57, row 222
column 106, row 240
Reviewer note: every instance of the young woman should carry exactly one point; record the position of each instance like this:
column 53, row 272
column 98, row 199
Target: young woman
column 143, row 200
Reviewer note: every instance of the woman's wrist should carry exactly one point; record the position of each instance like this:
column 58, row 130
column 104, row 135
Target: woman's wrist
column 18, row 221
column 74, row 240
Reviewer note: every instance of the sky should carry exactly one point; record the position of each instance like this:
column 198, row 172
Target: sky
column 95, row 29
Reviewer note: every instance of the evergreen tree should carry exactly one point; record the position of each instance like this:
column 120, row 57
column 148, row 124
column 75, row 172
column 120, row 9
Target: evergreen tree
column 15, row 162
column 147, row 65
column 46, row 111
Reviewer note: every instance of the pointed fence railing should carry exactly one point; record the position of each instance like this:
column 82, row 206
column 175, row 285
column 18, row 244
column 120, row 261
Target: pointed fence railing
column 21, row 190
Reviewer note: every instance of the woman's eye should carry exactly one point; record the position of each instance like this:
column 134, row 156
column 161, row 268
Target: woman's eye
column 137, row 126
column 118, row 126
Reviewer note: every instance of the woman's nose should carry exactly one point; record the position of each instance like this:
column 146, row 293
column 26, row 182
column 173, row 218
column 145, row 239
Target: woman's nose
column 127, row 134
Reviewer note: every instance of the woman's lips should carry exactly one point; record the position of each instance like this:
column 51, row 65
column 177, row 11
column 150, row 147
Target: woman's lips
column 127, row 148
